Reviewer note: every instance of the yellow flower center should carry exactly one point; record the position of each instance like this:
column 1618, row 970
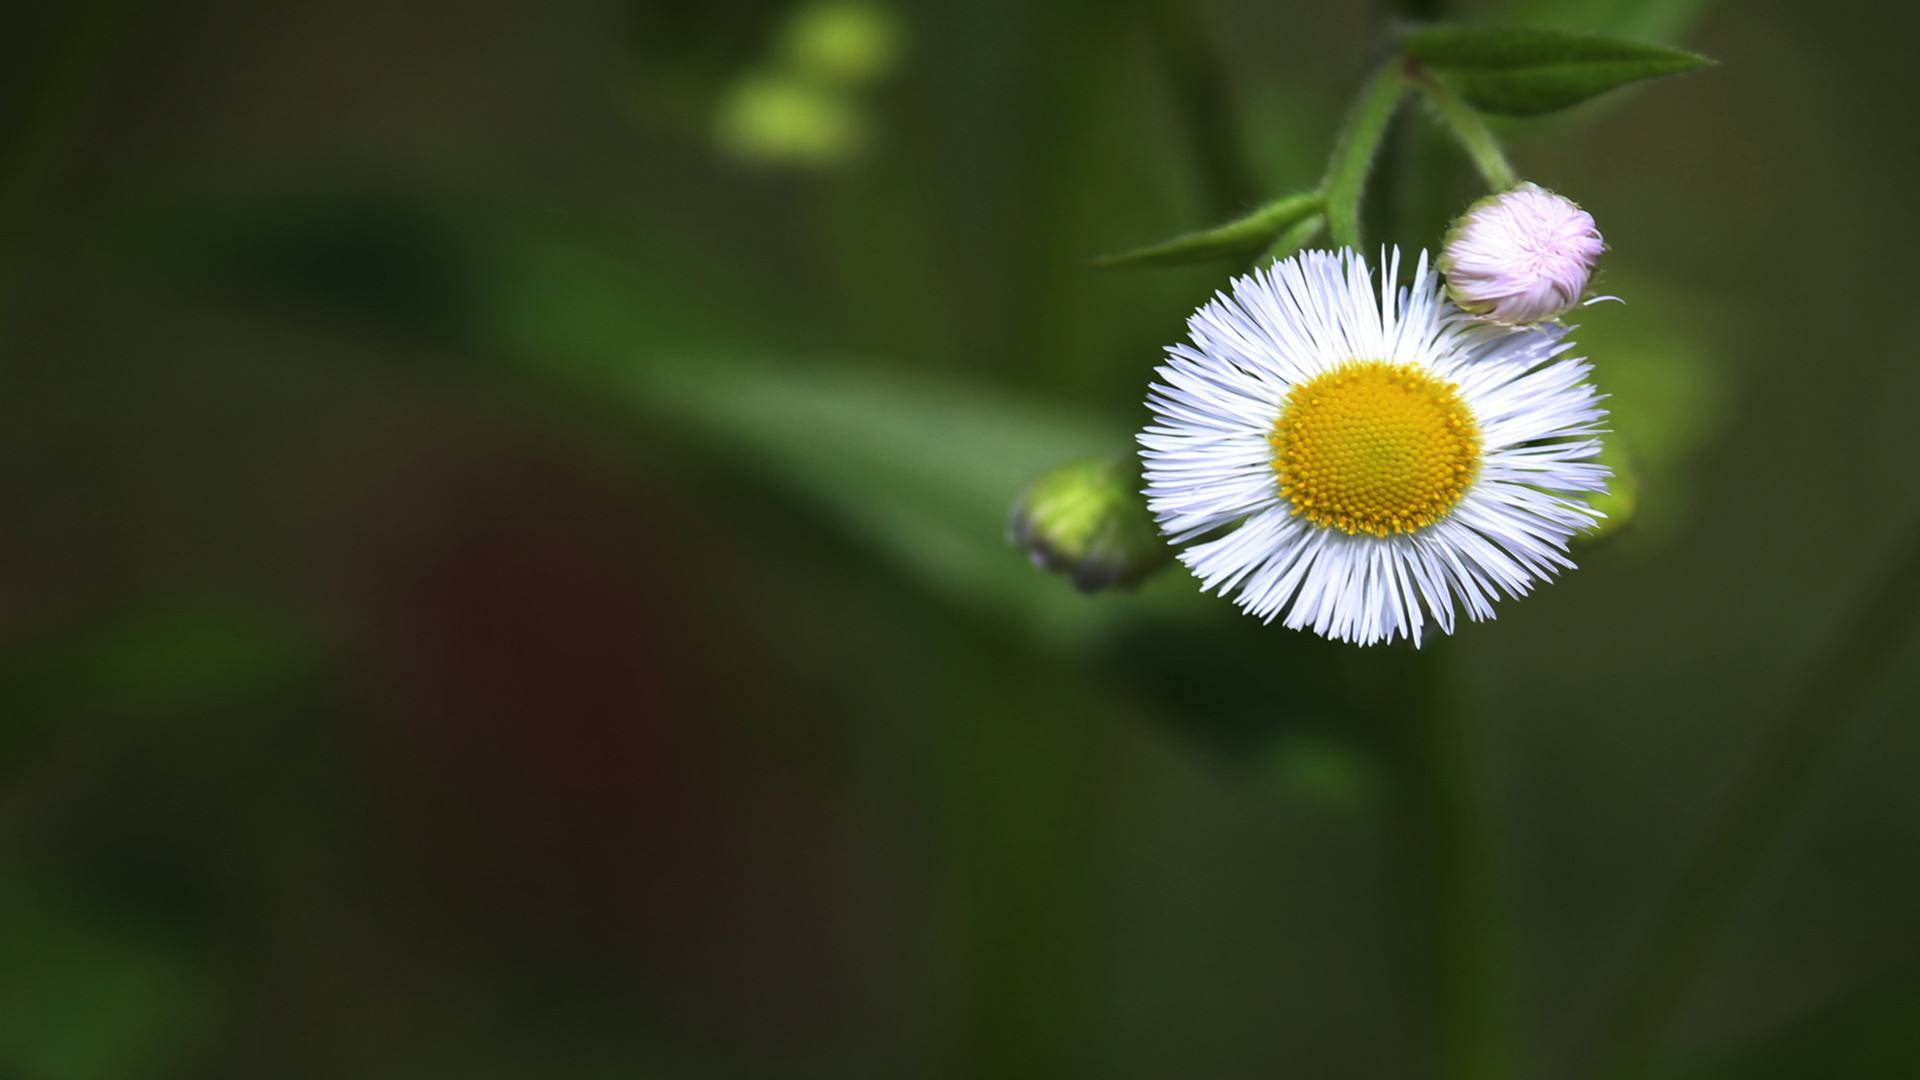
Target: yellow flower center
column 1375, row 448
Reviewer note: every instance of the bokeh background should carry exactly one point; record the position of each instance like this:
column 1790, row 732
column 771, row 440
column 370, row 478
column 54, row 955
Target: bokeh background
column 506, row 568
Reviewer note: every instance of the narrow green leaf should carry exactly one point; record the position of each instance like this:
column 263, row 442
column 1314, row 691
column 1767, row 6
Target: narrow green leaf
column 1515, row 72
column 91, row 993
column 1240, row 237
column 918, row 469
column 1353, row 154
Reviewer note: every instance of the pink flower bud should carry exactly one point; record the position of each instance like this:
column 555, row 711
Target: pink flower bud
column 1521, row 257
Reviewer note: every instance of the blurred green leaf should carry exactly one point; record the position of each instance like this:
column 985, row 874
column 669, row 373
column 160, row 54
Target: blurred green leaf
column 83, row 996
column 173, row 657
column 176, row 659
column 366, row 256
column 842, row 42
column 1241, row 237
column 781, row 119
column 1520, row 72
column 920, row 468
column 1659, row 360
column 1867, row 1034
column 1640, row 20
column 1327, row 770
column 925, row 468
column 1622, row 497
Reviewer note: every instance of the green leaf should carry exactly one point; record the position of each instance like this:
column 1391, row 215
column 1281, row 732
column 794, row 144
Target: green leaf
column 917, row 469
column 190, row 658
column 1862, row 1034
column 1641, row 20
column 90, row 992
column 1515, row 72
column 1241, row 237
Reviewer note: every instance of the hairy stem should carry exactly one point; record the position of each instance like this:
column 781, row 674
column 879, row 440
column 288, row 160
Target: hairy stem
column 1353, row 152
column 1471, row 132
column 1294, row 237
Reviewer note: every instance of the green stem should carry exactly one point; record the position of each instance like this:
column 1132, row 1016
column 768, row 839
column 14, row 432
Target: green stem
column 1756, row 811
column 1353, row 152
column 1445, row 822
column 1470, row 131
column 1446, row 789
column 1294, row 237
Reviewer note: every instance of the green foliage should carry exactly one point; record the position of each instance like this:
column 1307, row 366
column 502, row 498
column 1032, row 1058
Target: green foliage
column 779, row 119
column 1866, row 1034
column 1622, row 497
column 846, row 42
column 1639, row 20
column 1328, row 771
column 1462, row 71
column 178, row 659
column 1517, row 72
column 918, row 469
column 89, row 993
column 1297, row 236
column 806, row 104
column 1239, row 238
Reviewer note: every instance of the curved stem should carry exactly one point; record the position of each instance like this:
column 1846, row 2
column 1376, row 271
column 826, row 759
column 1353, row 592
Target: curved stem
column 1759, row 806
column 1470, row 131
column 1294, row 237
column 1353, row 153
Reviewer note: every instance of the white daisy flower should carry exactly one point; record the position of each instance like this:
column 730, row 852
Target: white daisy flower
column 1361, row 457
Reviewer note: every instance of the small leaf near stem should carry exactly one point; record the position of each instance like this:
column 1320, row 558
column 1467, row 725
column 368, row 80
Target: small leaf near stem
column 1353, row 153
column 1470, row 131
column 1524, row 72
column 1240, row 237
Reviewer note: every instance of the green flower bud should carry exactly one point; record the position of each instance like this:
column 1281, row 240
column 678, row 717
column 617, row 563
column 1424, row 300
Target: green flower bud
column 1087, row 520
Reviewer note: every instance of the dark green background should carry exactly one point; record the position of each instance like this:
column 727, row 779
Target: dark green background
column 502, row 580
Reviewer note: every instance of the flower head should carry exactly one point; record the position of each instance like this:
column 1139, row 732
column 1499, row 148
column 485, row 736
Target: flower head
column 1358, row 457
column 1086, row 520
column 1522, row 256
